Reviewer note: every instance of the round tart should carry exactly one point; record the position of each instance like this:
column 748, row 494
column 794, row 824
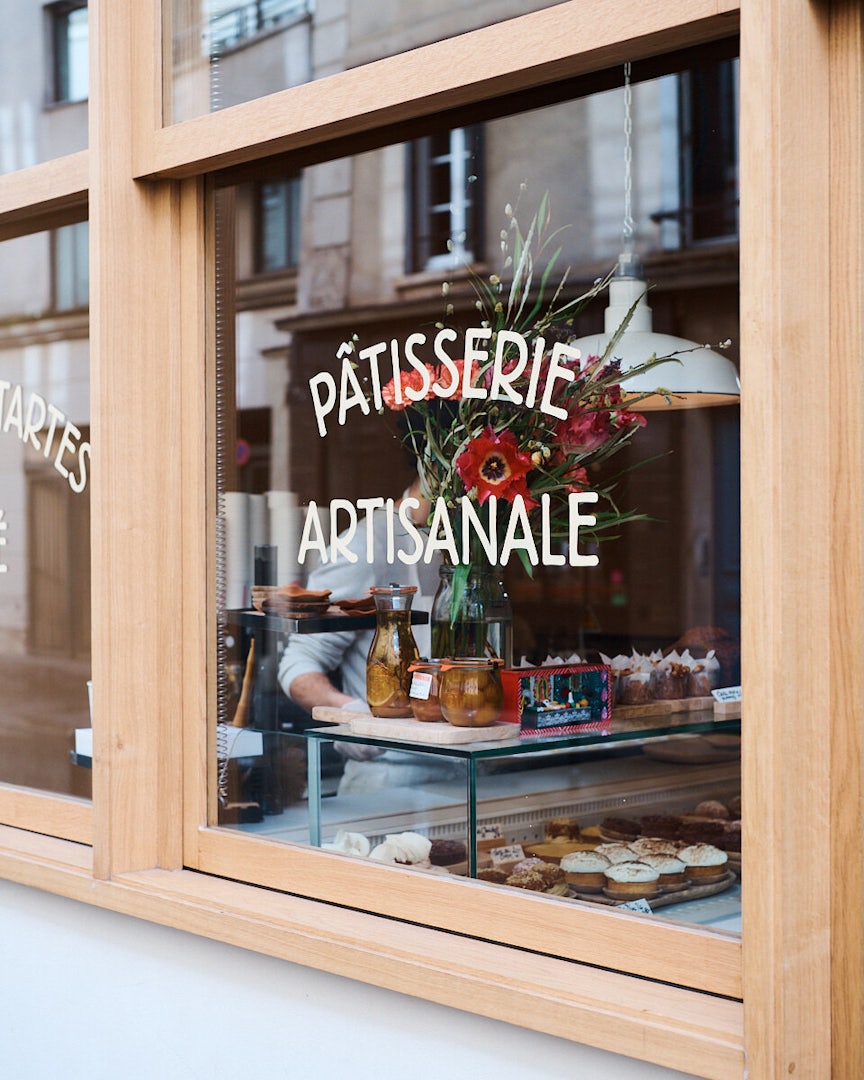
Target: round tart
column 705, row 863
column 554, row 851
column 586, row 870
column 652, row 845
column 673, row 872
column 631, row 881
column 616, row 853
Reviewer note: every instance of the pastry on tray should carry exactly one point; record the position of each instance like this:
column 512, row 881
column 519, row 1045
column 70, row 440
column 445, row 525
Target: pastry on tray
column 631, row 881
column 705, row 863
column 445, row 852
column 673, row 872
column 562, row 829
column 616, row 853
column 652, row 845
column 620, row 828
column 586, row 870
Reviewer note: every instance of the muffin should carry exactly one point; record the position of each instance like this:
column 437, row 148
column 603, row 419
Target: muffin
column 634, row 688
column 670, row 681
column 673, row 872
column 615, row 853
column 631, row 880
column 705, row 863
column 586, row 870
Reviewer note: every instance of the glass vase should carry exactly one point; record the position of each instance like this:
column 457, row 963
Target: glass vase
column 476, row 621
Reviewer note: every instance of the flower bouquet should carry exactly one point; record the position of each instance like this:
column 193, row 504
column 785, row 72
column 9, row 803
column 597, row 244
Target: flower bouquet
column 505, row 435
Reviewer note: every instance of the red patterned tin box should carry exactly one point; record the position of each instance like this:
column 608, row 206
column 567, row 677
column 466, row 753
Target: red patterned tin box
column 566, row 700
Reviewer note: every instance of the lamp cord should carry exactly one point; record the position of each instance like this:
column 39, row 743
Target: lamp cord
column 628, row 228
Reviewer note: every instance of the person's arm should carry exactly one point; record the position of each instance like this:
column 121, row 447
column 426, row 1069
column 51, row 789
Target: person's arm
column 314, row 688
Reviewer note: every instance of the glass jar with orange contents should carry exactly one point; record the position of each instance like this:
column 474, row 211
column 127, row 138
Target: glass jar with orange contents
column 470, row 691
column 392, row 651
column 424, row 690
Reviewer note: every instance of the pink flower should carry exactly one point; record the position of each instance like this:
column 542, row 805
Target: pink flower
column 583, row 431
column 446, row 380
column 412, row 379
column 576, row 478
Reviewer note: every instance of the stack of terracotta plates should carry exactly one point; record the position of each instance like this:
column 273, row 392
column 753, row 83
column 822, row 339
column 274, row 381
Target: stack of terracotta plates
column 290, row 601
column 364, row 606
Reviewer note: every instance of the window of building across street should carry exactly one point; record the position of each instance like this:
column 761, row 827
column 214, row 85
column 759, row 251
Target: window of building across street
column 69, row 36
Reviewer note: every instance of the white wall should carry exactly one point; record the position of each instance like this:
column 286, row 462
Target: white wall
column 91, row 995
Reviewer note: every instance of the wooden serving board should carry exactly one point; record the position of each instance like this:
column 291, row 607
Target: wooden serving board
column 410, row 730
column 440, row 733
column 662, row 708
column 692, row 750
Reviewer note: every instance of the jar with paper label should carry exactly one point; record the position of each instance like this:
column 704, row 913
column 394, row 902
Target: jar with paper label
column 424, row 691
column 391, row 653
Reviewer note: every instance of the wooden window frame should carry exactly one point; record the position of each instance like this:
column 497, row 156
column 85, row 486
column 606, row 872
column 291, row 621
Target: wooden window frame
column 676, row 996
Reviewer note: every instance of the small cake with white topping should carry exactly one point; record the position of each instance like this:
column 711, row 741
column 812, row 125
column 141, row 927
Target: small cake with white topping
column 705, row 863
column 631, row 881
column 585, row 870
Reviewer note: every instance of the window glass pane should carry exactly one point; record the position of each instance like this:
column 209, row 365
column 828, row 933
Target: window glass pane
column 653, row 600
column 228, row 51
column 43, row 83
column 44, row 527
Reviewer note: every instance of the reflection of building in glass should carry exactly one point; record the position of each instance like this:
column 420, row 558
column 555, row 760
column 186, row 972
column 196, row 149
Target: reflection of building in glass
column 361, row 245
column 383, row 230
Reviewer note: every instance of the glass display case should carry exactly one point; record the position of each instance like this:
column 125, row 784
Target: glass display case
column 478, row 802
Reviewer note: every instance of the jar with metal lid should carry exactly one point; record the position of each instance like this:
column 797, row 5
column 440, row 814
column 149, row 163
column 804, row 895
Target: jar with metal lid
column 470, row 691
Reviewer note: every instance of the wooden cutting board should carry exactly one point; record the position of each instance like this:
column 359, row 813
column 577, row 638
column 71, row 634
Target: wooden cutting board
column 411, row 730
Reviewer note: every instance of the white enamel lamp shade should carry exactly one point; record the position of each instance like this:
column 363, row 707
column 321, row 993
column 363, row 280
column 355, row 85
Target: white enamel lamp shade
column 694, row 377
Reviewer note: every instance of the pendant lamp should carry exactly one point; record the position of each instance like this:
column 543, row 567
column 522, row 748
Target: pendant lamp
column 694, row 376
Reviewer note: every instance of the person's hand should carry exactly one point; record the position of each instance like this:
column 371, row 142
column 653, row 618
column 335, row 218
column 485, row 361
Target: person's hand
column 355, row 705
column 357, row 751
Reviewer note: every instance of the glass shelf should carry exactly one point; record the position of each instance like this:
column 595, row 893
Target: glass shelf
column 622, row 732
